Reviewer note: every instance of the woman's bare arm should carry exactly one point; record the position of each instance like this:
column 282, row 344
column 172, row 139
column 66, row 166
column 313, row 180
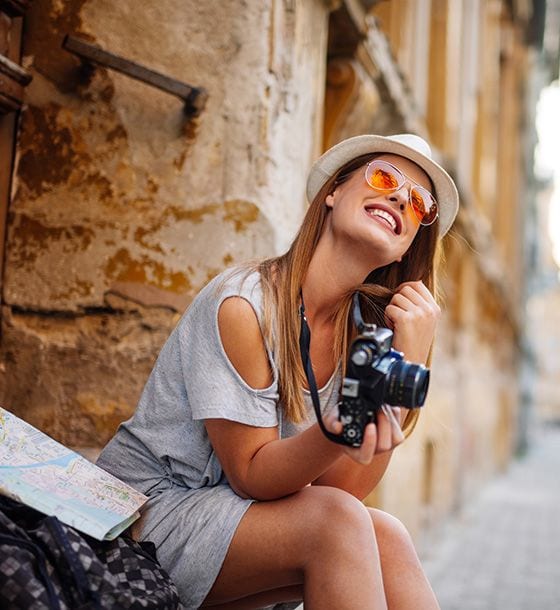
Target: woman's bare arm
column 258, row 464
column 356, row 479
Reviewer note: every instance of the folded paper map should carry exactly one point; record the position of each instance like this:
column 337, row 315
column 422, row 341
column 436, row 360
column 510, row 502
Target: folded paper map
column 39, row 472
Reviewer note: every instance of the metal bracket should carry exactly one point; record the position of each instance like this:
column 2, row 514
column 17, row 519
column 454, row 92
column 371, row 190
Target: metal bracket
column 193, row 97
column 13, row 79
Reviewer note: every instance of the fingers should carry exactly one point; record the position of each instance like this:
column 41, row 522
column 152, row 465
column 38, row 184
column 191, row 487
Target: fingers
column 416, row 293
column 415, row 288
column 408, row 301
column 404, row 303
column 393, row 417
column 384, row 433
column 381, row 437
column 364, row 454
column 402, row 310
column 409, row 297
column 378, row 438
column 389, row 431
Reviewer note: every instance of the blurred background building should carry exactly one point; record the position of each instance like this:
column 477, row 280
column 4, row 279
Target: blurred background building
column 119, row 201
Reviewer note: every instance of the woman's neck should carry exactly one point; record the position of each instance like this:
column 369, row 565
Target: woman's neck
column 330, row 275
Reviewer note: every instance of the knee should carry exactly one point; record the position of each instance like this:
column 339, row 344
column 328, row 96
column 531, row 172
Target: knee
column 336, row 516
column 392, row 536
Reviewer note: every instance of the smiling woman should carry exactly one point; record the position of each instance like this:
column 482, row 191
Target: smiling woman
column 391, row 208
column 251, row 503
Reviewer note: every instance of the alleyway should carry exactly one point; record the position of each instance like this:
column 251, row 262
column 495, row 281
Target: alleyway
column 504, row 552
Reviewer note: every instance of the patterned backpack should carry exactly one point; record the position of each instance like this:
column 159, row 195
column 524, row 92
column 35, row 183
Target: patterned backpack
column 45, row 564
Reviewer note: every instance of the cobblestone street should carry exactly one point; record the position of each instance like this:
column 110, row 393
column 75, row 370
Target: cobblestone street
column 503, row 553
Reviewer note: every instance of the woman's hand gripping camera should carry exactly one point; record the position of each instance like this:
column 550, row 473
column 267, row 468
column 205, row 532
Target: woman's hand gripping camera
column 381, row 437
column 412, row 314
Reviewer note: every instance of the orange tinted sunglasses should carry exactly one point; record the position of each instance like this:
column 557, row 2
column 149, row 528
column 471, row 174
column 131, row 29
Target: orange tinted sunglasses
column 386, row 178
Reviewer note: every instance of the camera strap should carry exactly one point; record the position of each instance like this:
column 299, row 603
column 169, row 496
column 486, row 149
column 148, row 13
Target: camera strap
column 304, row 344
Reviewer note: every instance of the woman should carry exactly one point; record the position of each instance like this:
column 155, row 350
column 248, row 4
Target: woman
column 249, row 503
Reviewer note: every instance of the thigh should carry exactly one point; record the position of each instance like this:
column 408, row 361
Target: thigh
column 273, row 542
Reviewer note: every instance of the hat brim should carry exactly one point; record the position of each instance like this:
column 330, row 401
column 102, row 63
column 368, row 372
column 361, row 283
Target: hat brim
column 343, row 152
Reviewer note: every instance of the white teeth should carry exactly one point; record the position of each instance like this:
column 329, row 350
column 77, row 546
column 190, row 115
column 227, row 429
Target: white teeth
column 385, row 215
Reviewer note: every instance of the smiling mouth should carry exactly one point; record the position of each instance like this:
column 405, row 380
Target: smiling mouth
column 390, row 219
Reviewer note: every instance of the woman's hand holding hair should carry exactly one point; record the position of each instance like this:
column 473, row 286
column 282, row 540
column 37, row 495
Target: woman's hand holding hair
column 412, row 315
column 381, row 437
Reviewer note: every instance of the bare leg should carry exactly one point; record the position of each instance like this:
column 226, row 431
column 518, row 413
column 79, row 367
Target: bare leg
column 406, row 585
column 320, row 539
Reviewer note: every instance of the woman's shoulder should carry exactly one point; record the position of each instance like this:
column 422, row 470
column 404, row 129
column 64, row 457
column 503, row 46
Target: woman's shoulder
column 241, row 280
column 235, row 326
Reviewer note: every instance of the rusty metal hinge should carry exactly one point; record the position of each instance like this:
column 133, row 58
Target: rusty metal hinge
column 194, row 98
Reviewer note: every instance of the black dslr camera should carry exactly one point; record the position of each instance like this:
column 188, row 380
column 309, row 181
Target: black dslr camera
column 376, row 374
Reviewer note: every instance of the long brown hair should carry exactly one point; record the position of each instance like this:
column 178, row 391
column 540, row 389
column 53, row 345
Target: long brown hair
column 282, row 278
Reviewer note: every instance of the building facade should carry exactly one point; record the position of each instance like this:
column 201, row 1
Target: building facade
column 119, row 200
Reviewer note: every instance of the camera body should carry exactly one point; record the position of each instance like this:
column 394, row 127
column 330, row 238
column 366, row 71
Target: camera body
column 376, row 374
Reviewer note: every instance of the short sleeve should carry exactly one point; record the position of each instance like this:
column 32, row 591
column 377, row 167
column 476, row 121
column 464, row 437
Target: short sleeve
column 214, row 387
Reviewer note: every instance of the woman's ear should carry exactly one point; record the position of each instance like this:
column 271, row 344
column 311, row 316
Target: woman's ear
column 329, row 200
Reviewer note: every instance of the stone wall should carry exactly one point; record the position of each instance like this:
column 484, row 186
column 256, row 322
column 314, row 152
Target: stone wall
column 123, row 207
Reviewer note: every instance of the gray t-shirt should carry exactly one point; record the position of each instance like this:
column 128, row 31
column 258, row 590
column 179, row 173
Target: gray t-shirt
column 164, row 450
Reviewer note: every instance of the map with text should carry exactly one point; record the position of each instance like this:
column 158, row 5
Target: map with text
column 40, row 472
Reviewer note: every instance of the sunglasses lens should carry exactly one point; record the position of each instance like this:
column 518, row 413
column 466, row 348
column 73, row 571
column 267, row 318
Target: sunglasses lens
column 380, row 176
column 424, row 205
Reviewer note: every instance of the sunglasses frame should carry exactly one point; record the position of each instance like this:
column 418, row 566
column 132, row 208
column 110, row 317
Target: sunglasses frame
column 411, row 185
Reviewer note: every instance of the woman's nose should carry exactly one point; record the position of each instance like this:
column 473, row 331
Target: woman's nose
column 399, row 197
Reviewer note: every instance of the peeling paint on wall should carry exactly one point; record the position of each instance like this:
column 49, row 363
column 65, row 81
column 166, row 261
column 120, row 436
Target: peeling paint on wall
column 30, row 237
column 49, row 156
column 241, row 213
column 60, row 150
column 122, row 267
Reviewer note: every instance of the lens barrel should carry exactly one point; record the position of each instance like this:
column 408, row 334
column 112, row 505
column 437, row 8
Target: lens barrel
column 406, row 384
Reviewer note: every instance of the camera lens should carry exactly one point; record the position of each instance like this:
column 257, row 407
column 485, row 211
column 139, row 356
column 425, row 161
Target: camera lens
column 406, row 384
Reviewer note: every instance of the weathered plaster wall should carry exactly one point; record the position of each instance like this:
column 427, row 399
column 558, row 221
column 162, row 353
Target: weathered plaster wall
column 122, row 208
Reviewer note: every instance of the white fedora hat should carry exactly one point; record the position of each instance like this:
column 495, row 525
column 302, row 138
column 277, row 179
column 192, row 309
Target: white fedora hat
column 406, row 145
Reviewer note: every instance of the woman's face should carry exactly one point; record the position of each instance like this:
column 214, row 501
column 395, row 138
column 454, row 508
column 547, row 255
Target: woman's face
column 383, row 224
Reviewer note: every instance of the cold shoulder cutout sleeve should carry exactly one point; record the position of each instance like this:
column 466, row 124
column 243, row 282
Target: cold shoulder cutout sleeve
column 214, row 387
